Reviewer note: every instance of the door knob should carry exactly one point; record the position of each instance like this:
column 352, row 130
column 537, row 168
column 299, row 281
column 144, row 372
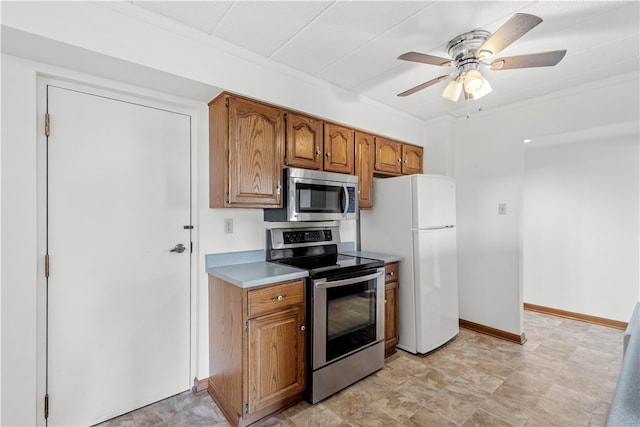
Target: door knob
column 179, row 248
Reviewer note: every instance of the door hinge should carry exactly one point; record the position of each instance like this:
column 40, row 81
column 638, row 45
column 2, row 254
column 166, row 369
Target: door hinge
column 226, row 102
column 46, row 124
column 226, row 197
column 246, row 326
column 246, row 408
column 46, row 266
column 285, row 117
column 188, row 227
column 285, row 160
column 46, row 406
column 191, row 247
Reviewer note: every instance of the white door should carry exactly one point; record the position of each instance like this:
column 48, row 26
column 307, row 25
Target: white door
column 118, row 300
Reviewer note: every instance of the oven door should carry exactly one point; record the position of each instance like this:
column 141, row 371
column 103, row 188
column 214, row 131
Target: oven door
column 348, row 315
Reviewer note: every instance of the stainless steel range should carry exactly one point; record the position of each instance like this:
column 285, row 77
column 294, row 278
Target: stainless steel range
column 345, row 307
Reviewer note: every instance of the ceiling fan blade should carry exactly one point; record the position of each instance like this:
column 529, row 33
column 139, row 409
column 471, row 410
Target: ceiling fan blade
column 425, row 59
column 512, row 30
column 543, row 59
column 423, row 85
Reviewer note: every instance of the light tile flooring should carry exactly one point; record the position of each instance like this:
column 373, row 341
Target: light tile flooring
column 564, row 375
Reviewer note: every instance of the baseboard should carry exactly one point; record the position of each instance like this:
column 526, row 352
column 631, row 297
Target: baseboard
column 497, row 333
column 199, row 386
column 576, row 316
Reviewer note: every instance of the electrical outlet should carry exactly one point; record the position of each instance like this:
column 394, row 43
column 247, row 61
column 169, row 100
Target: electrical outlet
column 228, row 225
column 502, row 209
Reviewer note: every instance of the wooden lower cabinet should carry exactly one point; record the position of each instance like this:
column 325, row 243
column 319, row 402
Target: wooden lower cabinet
column 391, row 333
column 257, row 348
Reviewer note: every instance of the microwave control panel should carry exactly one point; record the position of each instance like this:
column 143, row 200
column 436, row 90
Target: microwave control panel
column 351, row 193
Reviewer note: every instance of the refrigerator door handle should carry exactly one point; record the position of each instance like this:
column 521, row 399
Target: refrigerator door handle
column 441, row 227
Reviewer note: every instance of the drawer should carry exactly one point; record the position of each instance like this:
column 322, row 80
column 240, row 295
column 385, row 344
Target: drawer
column 391, row 272
column 276, row 297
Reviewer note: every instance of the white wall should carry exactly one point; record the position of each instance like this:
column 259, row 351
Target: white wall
column 489, row 168
column 439, row 146
column 581, row 225
column 19, row 241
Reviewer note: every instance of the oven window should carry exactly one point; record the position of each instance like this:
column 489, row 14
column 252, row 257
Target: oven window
column 351, row 318
column 319, row 198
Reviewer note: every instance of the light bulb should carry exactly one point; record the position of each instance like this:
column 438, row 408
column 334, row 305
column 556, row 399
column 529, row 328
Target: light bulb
column 452, row 91
column 484, row 89
column 473, row 81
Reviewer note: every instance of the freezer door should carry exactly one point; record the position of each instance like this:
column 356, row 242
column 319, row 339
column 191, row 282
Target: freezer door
column 434, row 201
column 436, row 287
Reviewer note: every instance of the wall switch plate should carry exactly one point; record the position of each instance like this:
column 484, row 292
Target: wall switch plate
column 502, row 208
column 228, row 225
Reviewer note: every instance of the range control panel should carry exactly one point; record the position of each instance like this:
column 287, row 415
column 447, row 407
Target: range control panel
column 305, row 236
column 280, row 238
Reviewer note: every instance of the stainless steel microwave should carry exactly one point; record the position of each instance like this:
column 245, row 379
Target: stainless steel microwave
column 311, row 195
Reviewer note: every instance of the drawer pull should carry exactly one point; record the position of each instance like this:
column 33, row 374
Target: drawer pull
column 278, row 298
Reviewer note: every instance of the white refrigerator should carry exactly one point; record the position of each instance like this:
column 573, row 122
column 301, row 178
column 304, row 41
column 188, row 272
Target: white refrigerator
column 414, row 217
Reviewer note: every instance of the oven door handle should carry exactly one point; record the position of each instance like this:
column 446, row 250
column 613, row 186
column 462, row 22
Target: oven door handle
column 324, row 284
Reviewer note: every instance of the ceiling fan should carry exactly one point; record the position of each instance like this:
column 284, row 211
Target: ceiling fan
column 470, row 50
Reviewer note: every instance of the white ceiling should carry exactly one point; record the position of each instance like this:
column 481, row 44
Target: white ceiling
column 354, row 44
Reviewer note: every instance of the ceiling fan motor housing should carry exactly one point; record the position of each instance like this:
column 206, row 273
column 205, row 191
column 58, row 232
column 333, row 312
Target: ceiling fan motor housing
column 463, row 49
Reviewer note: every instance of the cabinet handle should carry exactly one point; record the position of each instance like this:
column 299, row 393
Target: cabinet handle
column 328, row 154
column 399, row 160
column 317, row 151
column 278, row 298
column 278, row 188
column 390, row 273
column 302, row 328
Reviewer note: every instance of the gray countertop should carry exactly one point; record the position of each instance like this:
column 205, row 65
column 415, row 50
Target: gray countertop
column 256, row 273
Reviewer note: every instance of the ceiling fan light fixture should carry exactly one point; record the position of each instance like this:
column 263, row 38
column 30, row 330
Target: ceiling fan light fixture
column 484, row 89
column 473, row 81
column 453, row 90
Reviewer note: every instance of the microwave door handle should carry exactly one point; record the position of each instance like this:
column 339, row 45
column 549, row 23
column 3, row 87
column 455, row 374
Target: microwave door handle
column 324, row 284
column 345, row 193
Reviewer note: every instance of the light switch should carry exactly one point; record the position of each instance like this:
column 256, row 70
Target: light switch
column 502, row 209
column 228, row 225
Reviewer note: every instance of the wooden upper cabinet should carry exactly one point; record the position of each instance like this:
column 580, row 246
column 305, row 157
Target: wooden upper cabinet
column 411, row 159
column 338, row 149
column 365, row 154
column 388, row 157
column 304, row 142
column 246, row 150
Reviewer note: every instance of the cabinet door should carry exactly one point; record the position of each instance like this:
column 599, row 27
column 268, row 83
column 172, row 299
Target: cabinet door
column 304, row 142
column 388, row 156
column 364, row 169
column 338, row 149
column 276, row 357
column 256, row 148
column 411, row 159
column 391, row 336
